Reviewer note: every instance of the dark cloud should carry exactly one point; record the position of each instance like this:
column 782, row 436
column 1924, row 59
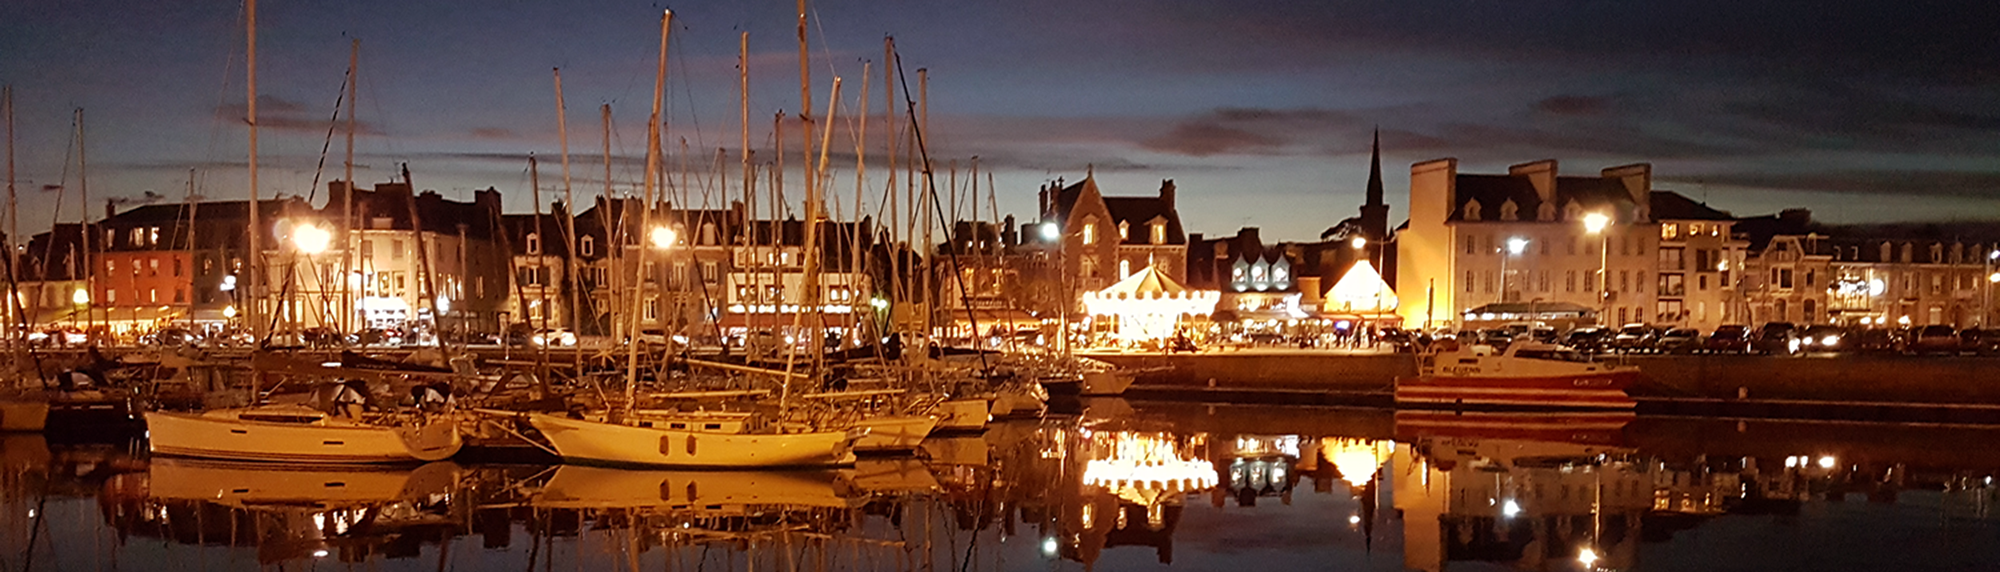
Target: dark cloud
column 1251, row 131
column 279, row 114
column 1573, row 105
column 1915, row 183
column 500, row 133
column 1204, row 138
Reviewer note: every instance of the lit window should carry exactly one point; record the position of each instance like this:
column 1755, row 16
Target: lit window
column 1159, row 233
column 1123, row 231
column 1089, row 231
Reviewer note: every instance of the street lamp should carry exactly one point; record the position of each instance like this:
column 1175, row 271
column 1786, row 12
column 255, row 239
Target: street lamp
column 662, row 237
column 1052, row 233
column 1596, row 223
column 1514, row 247
column 311, row 239
column 1359, row 242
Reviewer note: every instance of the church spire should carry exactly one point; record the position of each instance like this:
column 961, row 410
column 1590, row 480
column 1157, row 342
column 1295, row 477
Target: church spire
column 1375, row 171
column 1375, row 213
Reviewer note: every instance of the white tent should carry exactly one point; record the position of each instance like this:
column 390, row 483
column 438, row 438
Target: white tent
column 1149, row 305
column 1362, row 292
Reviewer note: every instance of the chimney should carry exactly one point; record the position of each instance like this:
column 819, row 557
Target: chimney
column 1194, row 238
column 1541, row 174
column 110, row 209
column 1167, row 193
column 1638, row 182
column 1010, row 238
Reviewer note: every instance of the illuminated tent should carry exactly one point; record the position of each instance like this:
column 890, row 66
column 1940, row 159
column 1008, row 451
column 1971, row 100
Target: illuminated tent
column 1149, row 305
column 1361, row 292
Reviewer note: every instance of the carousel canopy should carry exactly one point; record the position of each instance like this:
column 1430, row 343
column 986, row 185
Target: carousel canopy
column 1361, row 291
column 1148, row 283
column 1150, row 292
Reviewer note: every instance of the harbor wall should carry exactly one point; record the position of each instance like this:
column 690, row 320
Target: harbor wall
column 1841, row 378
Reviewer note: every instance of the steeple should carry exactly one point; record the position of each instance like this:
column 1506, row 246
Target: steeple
column 1375, row 171
column 1375, row 213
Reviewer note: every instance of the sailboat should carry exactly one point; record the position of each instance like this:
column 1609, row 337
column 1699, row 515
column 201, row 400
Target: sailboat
column 289, row 432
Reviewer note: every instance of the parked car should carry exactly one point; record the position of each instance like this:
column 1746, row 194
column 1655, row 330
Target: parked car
column 1678, row 341
column 1873, row 340
column 1777, row 338
column 1587, row 340
column 1823, row 338
column 1982, row 341
column 381, row 336
column 1633, row 338
column 1938, row 338
column 170, row 337
column 1729, row 339
column 553, row 337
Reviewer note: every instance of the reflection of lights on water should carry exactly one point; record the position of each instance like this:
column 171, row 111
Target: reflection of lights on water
column 321, row 553
column 31, row 512
column 1588, row 557
column 1147, row 462
column 1791, row 462
column 1049, row 546
column 1510, row 508
column 1354, row 519
column 1826, row 462
column 1357, row 459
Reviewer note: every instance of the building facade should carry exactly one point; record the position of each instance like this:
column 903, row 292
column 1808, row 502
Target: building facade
column 1526, row 236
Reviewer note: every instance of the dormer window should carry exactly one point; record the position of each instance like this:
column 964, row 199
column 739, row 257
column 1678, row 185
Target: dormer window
column 1509, row 210
column 1572, row 211
column 588, row 245
column 534, row 243
column 1159, row 233
column 1546, row 212
column 1124, row 231
column 1472, row 210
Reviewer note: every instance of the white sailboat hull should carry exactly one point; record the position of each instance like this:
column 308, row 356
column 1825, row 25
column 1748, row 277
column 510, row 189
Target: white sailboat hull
column 222, row 437
column 23, row 415
column 894, row 432
column 591, row 441
column 962, row 415
column 1107, row 382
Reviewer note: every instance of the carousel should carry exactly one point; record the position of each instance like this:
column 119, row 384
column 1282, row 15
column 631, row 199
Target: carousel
column 1149, row 307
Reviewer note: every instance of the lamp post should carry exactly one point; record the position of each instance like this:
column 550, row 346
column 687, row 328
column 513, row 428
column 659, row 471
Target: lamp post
column 1986, row 298
column 1515, row 246
column 1053, row 233
column 1596, row 223
column 307, row 239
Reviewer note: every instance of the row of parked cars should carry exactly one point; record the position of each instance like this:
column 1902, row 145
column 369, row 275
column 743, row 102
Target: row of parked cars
column 1784, row 338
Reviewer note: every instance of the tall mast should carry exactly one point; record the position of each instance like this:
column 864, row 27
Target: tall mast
column 653, row 127
column 568, row 221
column 860, row 180
column 813, row 264
column 613, row 243
column 541, row 246
column 347, row 207
column 256, row 281
column 83, row 227
column 13, row 223
column 889, row 136
column 930, row 198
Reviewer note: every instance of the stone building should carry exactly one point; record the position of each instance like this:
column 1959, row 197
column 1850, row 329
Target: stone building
column 1478, row 239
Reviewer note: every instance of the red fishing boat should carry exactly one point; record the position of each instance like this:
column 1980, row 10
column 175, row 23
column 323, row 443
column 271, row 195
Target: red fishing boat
column 1524, row 375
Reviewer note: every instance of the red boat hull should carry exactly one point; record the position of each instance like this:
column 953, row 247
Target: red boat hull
column 1601, row 390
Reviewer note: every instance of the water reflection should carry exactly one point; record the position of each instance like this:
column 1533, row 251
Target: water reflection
column 1343, row 489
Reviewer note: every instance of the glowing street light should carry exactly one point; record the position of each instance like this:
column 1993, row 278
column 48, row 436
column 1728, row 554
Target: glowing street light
column 1595, row 222
column 1587, row 557
column 1050, row 231
column 1359, row 242
column 311, row 239
column 229, row 311
column 81, row 297
column 662, row 237
column 1515, row 245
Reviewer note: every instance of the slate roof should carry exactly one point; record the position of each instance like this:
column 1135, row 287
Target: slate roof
column 1493, row 191
column 1137, row 211
column 1669, row 205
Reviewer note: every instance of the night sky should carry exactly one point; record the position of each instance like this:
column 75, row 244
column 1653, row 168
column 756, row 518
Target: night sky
column 1259, row 109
